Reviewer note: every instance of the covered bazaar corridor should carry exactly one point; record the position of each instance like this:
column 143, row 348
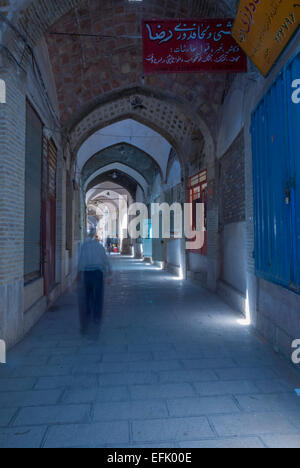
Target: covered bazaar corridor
column 173, row 367
column 166, row 131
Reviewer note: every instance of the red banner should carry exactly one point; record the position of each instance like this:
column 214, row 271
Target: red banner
column 191, row 46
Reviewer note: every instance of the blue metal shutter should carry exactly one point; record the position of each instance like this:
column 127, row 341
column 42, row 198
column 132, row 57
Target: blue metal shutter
column 275, row 143
column 293, row 73
column 33, row 195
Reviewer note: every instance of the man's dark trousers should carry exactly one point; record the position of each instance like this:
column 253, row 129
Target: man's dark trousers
column 91, row 294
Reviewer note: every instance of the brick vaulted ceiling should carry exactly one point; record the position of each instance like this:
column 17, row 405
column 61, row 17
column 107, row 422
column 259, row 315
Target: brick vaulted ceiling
column 125, row 154
column 87, row 70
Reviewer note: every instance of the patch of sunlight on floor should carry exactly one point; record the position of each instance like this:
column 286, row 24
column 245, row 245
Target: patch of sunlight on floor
column 246, row 322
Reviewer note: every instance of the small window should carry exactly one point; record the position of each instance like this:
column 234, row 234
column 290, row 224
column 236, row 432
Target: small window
column 198, row 194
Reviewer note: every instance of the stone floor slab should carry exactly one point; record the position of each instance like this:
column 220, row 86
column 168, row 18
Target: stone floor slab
column 22, row 437
column 281, row 402
column 6, row 416
column 234, row 443
column 262, row 373
column 88, row 435
column 188, row 376
column 282, row 441
column 11, row 385
column 130, row 410
column 60, row 414
column 29, row 398
column 252, row 424
column 164, row 391
column 170, row 429
column 202, row 406
column 236, row 387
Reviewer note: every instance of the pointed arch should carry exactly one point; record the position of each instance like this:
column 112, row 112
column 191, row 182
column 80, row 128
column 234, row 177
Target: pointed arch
column 141, row 181
column 166, row 115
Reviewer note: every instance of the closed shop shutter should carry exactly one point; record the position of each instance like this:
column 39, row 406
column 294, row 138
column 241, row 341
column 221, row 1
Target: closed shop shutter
column 292, row 77
column 276, row 149
column 33, row 195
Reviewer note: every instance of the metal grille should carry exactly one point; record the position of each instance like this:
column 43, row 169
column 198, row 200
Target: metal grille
column 52, row 164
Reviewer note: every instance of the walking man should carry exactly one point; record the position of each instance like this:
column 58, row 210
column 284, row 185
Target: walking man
column 93, row 268
column 109, row 245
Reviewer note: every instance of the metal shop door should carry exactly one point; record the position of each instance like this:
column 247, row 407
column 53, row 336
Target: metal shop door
column 276, row 178
column 33, row 195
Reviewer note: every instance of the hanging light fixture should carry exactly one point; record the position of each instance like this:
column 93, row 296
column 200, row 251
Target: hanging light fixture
column 137, row 103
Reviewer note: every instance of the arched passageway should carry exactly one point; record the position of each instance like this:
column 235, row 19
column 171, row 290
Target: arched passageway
column 179, row 176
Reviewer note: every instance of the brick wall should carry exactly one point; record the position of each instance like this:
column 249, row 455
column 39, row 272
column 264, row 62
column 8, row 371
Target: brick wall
column 232, row 183
column 14, row 322
column 12, row 160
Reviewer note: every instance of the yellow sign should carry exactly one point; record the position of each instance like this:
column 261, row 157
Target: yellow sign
column 264, row 27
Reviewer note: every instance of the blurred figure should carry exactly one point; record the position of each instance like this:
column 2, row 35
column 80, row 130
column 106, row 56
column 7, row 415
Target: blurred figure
column 92, row 269
column 109, row 245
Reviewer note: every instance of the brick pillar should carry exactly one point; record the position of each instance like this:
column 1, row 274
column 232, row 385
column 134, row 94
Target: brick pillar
column 60, row 220
column 252, row 279
column 12, row 181
column 213, row 236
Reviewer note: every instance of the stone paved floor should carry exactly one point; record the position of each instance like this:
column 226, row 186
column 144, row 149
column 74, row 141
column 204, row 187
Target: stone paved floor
column 172, row 368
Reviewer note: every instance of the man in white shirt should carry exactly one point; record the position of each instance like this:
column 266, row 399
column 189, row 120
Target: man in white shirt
column 93, row 267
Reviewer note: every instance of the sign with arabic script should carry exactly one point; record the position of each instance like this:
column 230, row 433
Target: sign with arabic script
column 263, row 28
column 206, row 45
